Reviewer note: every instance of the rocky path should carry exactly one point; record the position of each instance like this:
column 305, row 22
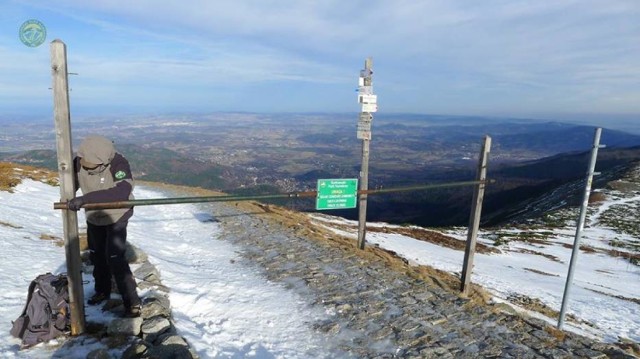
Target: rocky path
column 379, row 307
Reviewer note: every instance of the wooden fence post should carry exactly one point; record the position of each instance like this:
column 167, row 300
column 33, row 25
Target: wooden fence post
column 474, row 219
column 62, row 120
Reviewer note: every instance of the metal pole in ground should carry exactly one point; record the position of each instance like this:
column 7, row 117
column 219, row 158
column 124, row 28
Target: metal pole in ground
column 232, row 198
column 474, row 218
column 369, row 106
column 182, row 200
column 62, row 120
column 581, row 219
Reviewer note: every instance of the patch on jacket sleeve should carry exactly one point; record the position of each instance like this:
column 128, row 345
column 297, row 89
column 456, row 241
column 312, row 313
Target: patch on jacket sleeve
column 120, row 175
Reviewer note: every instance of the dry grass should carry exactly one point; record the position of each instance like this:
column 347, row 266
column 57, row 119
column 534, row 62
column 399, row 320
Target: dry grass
column 533, row 304
column 536, row 305
column 540, row 272
column 632, row 300
column 56, row 240
column 633, row 258
column 584, row 248
column 8, row 178
column 597, row 197
column 556, row 333
column 6, row 224
column 301, row 225
column 84, row 245
column 434, row 237
column 632, row 348
column 421, row 234
column 183, row 190
column 12, row 174
column 546, row 255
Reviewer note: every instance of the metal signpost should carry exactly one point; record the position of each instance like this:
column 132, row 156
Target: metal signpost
column 336, row 193
column 369, row 103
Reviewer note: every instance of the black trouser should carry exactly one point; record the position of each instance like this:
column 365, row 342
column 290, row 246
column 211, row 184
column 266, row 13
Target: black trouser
column 107, row 249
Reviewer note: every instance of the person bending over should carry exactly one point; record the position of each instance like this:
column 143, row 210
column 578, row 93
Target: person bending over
column 104, row 175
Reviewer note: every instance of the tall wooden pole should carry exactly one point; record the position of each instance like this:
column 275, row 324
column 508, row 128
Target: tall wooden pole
column 62, row 118
column 580, row 226
column 369, row 105
column 474, row 218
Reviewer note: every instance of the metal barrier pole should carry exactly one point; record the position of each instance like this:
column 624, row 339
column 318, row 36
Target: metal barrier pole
column 231, row 198
column 474, row 218
column 581, row 219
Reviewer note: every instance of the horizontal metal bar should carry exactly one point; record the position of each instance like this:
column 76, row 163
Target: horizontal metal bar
column 232, row 198
column 181, row 200
column 423, row 187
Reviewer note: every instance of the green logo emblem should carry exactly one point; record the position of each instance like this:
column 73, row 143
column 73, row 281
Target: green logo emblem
column 120, row 174
column 32, row 33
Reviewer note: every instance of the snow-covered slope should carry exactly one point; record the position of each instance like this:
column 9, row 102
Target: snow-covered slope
column 531, row 264
column 222, row 308
column 225, row 309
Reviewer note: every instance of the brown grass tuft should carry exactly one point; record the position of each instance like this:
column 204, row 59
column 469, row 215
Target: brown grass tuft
column 597, row 197
column 540, row 272
column 426, row 235
column 12, row 174
column 56, row 240
column 302, row 225
column 556, row 333
column 584, row 248
column 6, row 224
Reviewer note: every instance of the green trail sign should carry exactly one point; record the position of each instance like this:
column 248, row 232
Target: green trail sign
column 337, row 193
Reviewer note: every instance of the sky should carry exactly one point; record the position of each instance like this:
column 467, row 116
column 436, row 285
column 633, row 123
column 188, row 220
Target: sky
column 225, row 308
column 541, row 59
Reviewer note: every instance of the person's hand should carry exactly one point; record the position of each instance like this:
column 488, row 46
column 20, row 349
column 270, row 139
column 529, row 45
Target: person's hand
column 75, row 204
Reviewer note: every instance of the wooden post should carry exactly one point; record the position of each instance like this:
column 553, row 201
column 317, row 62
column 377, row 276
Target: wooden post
column 364, row 133
column 474, row 219
column 62, row 120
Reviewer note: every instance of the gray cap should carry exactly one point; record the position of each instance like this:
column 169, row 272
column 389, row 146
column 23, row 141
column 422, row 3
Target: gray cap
column 96, row 149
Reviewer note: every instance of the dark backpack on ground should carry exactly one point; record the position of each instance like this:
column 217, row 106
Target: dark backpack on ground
column 46, row 314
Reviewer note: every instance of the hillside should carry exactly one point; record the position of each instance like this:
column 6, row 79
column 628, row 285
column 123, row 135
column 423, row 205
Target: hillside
column 522, row 265
column 518, row 185
column 12, row 174
column 530, row 190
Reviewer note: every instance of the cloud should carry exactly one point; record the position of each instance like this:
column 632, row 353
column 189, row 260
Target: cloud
column 25, row 77
column 503, row 32
column 460, row 54
column 144, row 46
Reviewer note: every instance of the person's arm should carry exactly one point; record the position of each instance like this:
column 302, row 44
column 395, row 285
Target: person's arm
column 123, row 180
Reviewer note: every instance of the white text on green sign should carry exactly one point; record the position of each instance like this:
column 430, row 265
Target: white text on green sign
column 337, row 193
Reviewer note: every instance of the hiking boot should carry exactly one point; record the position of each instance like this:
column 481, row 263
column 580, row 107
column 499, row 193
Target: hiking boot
column 98, row 298
column 133, row 312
